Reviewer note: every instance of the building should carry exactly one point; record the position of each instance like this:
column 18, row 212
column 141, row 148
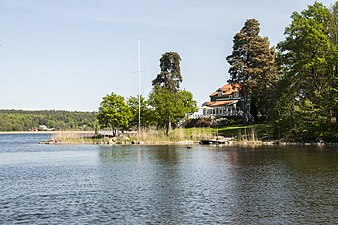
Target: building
column 226, row 101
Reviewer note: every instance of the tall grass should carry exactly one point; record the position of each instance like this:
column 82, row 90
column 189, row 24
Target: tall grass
column 175, row 135
column 65, row 135
column 158, row 136
column 150, row 135
column 247, row 134
column 72, row 137
column 197, row 134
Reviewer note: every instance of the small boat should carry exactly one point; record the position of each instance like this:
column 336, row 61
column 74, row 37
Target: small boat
column 205, row 142
column 212, row 142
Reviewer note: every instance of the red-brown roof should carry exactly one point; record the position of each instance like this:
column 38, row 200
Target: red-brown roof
column 227, row 89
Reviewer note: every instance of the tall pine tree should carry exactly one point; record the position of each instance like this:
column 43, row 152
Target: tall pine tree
column 170, row 75
column 170, row 104
column 253, row 66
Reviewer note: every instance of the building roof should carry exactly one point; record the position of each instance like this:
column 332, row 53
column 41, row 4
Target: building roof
column 219, row 103
column 226, row 89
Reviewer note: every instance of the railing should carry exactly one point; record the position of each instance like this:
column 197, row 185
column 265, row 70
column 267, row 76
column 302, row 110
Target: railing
column 106, row 132
column 226, row 114
column 198, row 116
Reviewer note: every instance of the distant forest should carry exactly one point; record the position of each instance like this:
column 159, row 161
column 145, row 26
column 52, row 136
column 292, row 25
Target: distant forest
column 22, row 120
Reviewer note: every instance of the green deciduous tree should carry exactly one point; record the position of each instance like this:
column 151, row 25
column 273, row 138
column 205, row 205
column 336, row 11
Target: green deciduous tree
column 114, row 113
column 333, row 33
column 308, row 57
column 145, row 112
column 169, row 107
column 164, row 104
column 253, row 66
column 186, row 104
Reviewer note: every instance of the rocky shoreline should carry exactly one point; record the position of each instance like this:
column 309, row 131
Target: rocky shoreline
column 220, row 141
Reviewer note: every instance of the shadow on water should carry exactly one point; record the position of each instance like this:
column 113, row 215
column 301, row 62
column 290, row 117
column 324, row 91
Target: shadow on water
column 284, row 184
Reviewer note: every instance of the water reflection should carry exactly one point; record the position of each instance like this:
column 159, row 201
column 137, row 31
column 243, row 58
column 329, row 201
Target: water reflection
column 175, row 183
column 212, row 184
column 167, row 185
column 284, row 184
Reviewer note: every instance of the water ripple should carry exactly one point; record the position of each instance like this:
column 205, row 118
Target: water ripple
column 167, row 185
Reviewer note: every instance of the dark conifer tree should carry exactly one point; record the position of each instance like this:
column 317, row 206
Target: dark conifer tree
column 253, row 66
column 170, row 75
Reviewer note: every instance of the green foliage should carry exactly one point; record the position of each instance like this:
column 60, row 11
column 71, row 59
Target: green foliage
column 253, row 66
column 170, row 76
column 170, row 104
column 114, row 112
column 198, row 122
column 333, row 33
column 307, row 102
column 145, row 112
column 170, row 107
column 186, row 104
column 21, row 120
column 164, row 104
column 263, row 130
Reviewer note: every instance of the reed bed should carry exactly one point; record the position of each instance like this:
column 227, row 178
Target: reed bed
column 73, row 137
column 248, row 135
column 174, row 136
column 145, row 136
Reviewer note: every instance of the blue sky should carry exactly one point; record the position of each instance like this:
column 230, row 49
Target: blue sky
column 68, row 54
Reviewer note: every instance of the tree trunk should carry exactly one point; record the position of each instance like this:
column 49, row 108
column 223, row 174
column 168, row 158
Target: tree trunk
column 254, row 111
column 168, row 126
column 245, row 110
column 114, row 130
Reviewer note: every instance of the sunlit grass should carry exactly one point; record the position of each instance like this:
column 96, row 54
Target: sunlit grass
column 240, row 133
column 175, row 135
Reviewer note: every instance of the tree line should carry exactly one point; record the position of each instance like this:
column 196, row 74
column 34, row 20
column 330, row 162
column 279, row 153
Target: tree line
column 23, row 120
column 295, row 85
column 167, row 104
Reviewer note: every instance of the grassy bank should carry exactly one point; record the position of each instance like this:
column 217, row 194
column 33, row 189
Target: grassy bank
column 73, row 137
column 176, row 136
column 262, row 131
column 147, row 136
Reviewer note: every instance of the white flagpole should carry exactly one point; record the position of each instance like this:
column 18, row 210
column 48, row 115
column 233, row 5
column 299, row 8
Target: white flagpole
column 139, row 85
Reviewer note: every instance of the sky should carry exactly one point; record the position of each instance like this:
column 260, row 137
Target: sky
column 69, row 54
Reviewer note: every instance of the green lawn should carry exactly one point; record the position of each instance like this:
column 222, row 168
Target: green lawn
column 261, row 130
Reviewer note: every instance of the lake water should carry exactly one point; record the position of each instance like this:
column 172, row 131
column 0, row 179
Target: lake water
column 91, row 184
